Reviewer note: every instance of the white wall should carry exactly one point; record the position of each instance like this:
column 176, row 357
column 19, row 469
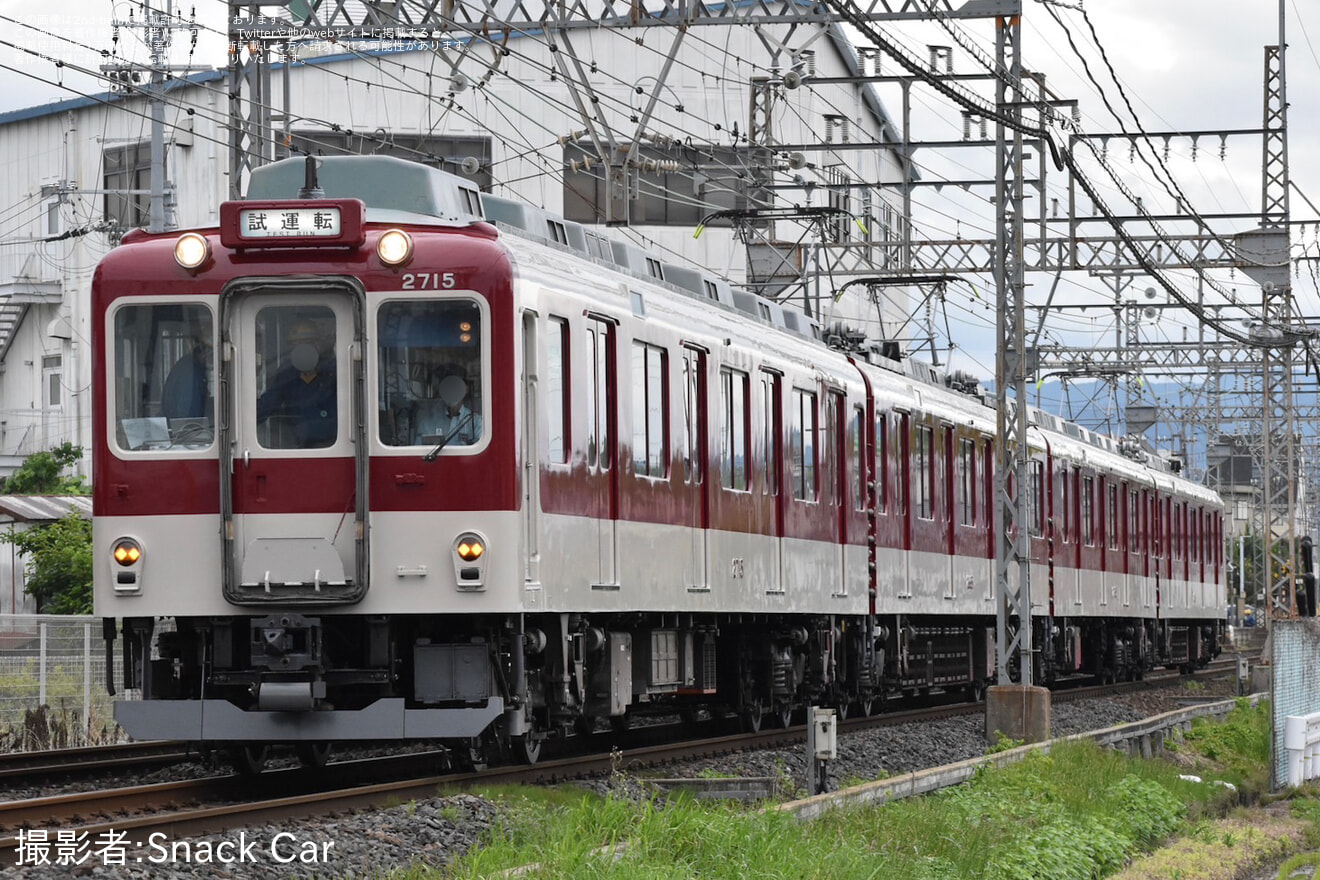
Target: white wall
column 521, row 107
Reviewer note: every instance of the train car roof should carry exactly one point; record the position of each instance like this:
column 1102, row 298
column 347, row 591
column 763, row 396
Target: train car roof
column 399, row 191
column 394, row 190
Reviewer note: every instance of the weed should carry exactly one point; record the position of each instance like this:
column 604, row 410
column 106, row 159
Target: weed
column 712, row 773
column 1003, row 743
column 1078, row 812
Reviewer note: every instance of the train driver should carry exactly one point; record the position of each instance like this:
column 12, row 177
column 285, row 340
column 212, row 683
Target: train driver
column 448, row 419
column 303, row 394
column 187, row 390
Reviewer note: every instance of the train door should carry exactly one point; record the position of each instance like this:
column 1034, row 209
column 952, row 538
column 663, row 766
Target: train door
column 905, row 499
column 294, row 470
column 837, row 414
column 531, row 435
column 602, row 440
column 773, row 416
column 989, row 506
column 695, row 461
column 946, row 499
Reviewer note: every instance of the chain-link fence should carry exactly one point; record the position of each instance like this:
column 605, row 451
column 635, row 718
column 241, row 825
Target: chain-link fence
column 52, row 683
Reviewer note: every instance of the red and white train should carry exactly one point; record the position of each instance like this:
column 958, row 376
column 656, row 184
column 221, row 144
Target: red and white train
column 408, row 461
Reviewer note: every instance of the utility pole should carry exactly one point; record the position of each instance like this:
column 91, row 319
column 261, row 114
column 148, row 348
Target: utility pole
column 158, row 34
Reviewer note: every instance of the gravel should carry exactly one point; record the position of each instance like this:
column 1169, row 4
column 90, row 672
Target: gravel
column 437, row 830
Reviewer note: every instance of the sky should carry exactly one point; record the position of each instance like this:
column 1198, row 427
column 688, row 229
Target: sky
column 1185, row 65
column 77, row 31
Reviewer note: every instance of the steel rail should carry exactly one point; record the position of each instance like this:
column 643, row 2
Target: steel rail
column 349, row 785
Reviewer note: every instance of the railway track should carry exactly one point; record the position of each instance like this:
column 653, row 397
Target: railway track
column 200, row 806
column 28, row 767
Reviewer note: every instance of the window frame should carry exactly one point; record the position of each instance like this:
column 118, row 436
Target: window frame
column 559, row 402
column 923, row 474
column 130, row 210
column 111, row 355
column 735, row 419
column 1111, row 514
column 967, row 481
column 1088, row 510
column 482, row 394
column 1036, row 480
column 653, row 380
column 804, row 468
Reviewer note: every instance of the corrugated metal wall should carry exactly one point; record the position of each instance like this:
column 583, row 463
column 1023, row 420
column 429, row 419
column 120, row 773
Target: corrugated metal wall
column 1295, row 680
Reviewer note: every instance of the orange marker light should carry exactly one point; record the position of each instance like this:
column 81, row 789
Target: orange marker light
column 127, row 552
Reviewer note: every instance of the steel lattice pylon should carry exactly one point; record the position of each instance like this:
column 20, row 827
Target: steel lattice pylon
column 1012, row 581
column 1278, row 432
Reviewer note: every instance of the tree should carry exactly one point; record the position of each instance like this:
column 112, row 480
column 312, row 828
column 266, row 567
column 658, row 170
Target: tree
column 59, row 556
column 41, row 473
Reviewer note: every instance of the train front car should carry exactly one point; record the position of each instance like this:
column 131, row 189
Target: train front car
column 306, row 494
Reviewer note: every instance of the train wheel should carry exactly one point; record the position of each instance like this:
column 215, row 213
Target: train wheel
column 975, row 692
column 842, row 710
column 312, row 754
column 527, row 748
column 751, row 716
column 249, row 759
column 867, row 705
column 784, row 715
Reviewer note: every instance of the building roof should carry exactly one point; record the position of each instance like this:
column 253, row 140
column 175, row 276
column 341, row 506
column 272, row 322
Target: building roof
column 93, row 100
column 43, row 508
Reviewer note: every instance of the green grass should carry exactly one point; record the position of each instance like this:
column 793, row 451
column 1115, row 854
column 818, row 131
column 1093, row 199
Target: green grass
column 1239, row 749
column 1079, row 812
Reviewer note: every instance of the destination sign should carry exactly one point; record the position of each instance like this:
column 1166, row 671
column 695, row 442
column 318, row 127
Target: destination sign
column 289, row 222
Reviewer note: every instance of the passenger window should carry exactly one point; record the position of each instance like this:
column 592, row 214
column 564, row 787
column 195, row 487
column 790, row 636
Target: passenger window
column 923, row 475
column 802, row 443
column 733, row 430
column 557, row 383
column 650, row 411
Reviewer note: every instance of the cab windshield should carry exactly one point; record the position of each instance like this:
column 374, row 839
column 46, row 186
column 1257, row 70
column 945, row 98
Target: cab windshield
column 164, row 377
column 430, row 358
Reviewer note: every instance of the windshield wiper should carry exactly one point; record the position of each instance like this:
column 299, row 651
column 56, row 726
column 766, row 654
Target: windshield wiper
column 453, row 432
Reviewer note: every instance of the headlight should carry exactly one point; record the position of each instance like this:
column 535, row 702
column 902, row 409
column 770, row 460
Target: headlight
column 394, row 247
column 191, row 251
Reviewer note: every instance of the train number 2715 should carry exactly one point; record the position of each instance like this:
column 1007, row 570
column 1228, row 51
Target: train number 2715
column 428, row 280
